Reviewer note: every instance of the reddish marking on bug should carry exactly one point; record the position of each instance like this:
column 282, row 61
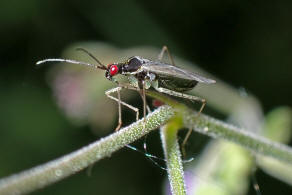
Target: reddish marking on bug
column 114, row 70
column 157, row 103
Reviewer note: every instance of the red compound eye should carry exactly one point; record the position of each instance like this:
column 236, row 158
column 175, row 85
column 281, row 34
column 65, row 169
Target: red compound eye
column 113, row 70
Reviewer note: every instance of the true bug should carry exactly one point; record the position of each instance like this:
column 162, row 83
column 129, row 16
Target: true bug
column 143, row 74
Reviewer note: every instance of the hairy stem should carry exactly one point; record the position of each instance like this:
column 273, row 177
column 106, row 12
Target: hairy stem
column 251, row 141
column 51, row 172
column 67, row 165
column 173, row 156
column 218, row 129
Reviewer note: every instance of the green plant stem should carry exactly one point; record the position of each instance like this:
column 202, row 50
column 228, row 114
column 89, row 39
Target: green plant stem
column 173, row 156
column 218, row 129
column 253, row 142
column 51, row 172
column 58, row 169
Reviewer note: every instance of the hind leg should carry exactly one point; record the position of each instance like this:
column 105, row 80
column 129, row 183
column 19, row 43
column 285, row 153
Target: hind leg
column 189, row 97
column 163, row 50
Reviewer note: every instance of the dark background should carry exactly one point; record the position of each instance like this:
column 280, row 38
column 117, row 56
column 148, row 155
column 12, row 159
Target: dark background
column 246, row 43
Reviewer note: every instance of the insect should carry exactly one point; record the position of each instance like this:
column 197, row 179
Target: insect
column 144, row 74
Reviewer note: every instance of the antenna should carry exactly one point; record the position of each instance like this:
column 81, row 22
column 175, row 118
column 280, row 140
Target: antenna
column 92, row 56
column 69, row 61
column 99, row 66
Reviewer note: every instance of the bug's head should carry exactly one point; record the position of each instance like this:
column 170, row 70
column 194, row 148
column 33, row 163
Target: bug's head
column 129, row 66
column 112, row 70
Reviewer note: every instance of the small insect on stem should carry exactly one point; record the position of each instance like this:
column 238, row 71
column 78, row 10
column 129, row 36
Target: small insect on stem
column 144, row 74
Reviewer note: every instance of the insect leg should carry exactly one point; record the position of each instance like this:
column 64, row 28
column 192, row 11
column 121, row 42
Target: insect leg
column 143, row 95
column 144, row 101
column 182, row 95
column 160, row 56
column 136, row 89
column 120, row 111
column 147, row 107
column 140, row 92
column 183, row 149
column 186, row 96
column 119, row 106
column 117, row 89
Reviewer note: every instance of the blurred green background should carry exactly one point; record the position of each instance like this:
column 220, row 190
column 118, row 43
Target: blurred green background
column 245, row 43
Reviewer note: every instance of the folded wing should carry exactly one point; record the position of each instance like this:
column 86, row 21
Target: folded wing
column 174, row 71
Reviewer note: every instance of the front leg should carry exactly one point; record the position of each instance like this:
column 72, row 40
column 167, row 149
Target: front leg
column 118, row 89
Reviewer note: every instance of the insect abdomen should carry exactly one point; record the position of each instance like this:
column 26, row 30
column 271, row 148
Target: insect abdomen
column 177, row 84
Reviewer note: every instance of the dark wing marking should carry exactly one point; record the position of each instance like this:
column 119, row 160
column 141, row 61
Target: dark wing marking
column 174, row 71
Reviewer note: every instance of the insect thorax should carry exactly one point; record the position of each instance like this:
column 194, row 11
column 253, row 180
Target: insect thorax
column 133, row 64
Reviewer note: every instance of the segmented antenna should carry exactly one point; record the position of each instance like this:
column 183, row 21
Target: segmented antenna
column 67, row 61
column 99, row 66
column 102, row 66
